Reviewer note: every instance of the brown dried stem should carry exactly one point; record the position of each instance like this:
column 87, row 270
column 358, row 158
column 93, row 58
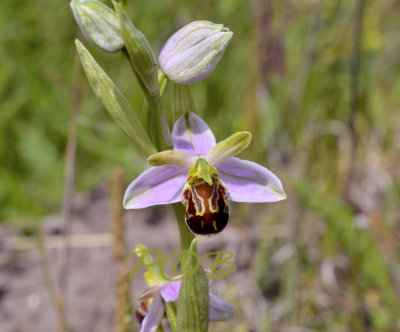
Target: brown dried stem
column 123, row 306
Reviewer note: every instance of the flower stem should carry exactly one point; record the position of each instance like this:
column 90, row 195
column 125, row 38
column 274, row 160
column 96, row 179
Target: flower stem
column 157, row 128
column 185, row 234
column 182, row 101
column 170, row 310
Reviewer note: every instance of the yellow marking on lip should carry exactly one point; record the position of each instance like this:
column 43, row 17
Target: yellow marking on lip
column 210, row 200
column 202, row 224
column 215, row 225
column 200, row 210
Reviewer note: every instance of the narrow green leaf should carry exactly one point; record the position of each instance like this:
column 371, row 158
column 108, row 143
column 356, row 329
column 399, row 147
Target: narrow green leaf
column 194, row 301
column 114, row 101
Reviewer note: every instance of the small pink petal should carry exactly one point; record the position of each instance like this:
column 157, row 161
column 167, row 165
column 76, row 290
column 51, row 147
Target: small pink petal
column 170, row 292
column 192, row 135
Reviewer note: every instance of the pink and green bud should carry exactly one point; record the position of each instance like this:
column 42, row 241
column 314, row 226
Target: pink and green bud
column 192, row 53
column 98, row 23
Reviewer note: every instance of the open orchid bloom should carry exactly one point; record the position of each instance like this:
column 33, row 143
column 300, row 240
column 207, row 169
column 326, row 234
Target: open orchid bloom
column 203, row 175
column 150, row 316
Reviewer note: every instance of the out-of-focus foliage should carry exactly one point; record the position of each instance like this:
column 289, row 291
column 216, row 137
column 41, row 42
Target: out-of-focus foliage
column 288, row 77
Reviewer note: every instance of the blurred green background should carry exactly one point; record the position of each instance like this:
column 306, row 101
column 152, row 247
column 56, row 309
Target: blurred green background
column 316, row 82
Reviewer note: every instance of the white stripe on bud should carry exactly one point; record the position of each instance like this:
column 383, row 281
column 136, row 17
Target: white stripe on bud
column 192, row 53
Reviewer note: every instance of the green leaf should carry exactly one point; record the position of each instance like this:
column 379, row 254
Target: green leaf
column 114, row 101
column 194, row 301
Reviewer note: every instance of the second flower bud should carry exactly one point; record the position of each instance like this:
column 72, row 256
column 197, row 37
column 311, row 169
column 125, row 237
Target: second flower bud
column 192, row 53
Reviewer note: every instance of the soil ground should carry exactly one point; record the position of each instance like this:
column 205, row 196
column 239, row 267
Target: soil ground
column 25, row 304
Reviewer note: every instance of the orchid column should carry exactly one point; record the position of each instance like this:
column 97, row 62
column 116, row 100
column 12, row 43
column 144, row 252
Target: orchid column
column 189, row 169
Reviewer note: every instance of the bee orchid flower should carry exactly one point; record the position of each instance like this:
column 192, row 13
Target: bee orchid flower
column 151, row 309
column 203, row 175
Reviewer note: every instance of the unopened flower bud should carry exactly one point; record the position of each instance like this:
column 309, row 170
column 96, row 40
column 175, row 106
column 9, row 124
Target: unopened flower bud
column 192, row 53
column 98, row 23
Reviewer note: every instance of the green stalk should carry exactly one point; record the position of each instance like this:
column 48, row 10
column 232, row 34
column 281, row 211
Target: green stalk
column 146, row 115
column 194, row 303
column 185, row 234
column 170, row 310
column 144, row 65
column 160, row 135
column 123, row 4
column 182, row 101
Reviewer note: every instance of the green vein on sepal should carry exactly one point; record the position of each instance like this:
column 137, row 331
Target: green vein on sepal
column 229, row 147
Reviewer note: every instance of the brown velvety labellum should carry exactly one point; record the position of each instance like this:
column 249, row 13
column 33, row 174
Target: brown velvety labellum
column 207, row 211
column 141, row 312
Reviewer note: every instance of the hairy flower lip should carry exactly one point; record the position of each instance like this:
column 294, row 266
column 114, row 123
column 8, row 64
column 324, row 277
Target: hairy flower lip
column 246, row 181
